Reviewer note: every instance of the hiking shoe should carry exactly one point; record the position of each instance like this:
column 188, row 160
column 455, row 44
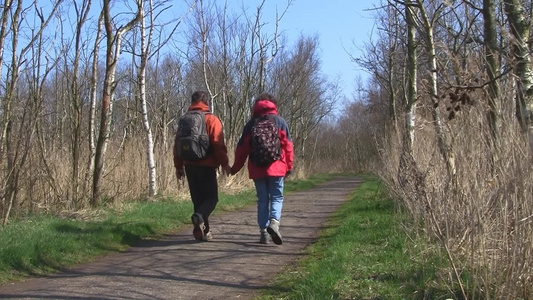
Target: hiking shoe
column 207, row 236
column 273, row 230
column 198, row 222
column 264, row 236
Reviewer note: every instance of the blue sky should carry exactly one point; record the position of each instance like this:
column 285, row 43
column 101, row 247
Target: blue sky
column 341, row 25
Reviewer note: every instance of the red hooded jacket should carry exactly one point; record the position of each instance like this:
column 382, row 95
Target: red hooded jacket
column 216, row 140
column 278, row 168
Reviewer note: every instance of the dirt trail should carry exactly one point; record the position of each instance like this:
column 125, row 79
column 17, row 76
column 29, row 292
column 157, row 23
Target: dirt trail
column 233, row 266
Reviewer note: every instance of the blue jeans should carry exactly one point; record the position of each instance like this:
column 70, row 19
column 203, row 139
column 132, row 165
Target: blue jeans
column 269, row 199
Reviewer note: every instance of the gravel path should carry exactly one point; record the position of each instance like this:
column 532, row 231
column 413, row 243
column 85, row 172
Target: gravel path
column 233, row 266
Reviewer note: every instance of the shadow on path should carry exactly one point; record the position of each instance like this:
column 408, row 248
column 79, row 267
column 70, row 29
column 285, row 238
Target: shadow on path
column 233, row 266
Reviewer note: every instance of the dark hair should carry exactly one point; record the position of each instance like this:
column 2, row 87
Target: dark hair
column 200, row 96
column 266, row 96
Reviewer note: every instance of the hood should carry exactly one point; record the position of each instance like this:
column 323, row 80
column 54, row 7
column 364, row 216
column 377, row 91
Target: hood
column 199, row 106
column 264, row 107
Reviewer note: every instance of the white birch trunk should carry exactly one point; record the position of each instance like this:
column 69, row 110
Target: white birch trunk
column 145, row 51
column 92, row 107
column 114, row 43
column 443, row 143
column 412, row 77
column 520, row 30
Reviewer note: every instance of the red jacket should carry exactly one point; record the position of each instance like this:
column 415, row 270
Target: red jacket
column 277, row 168
column 216, row 141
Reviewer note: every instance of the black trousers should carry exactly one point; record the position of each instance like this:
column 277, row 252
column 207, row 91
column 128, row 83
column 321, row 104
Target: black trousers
column 204, row 190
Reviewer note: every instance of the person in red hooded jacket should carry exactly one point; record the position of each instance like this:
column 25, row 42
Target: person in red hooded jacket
column 201, row 174
column 268, row 180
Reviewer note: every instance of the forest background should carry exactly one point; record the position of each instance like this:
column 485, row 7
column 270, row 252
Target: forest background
column 90, row 94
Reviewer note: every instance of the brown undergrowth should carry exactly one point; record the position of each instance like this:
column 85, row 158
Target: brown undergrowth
column 482, row 218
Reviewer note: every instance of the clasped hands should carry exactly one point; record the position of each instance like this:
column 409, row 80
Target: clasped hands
column 226, row 170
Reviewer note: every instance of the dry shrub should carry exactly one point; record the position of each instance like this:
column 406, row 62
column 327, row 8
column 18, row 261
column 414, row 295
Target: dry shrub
column 327, row 166
column 45, row 185
column 483, row 217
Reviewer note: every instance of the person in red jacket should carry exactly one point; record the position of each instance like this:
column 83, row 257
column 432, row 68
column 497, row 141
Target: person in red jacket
column 201, row 174
column 268, row 180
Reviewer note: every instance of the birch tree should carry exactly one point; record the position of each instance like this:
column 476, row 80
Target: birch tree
column 520, row 25
column 412, row 70
column 93, row 97
column 383, row 59
column 147, row 30
column 16, row 151
column 76, row 102
column 114, row 37
column 429, row 29
column 146, row 43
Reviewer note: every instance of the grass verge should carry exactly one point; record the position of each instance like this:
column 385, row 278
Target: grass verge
column 363, row 255
column 46, row 244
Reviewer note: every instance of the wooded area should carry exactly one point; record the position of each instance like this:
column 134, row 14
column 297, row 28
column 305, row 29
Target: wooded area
column 455, row 147
column 90, row 93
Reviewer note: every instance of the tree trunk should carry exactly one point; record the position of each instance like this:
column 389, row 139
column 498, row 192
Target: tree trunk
column 205, row 31
column 145, row 52
column 92, row 108
column 412, row 69
column 520, row 30
column 76, row 105
column 18, row 150
column 113, row 46
column 9, row 184
column 492, row 64
column 444, row 146
column 392, row 43
column 3, row 35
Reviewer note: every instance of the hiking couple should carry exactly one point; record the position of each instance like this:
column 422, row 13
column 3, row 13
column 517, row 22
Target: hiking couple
column 199, row 149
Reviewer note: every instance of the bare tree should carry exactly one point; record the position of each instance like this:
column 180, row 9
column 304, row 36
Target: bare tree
column 412, row 70
column 93, row 96
column 76, row 102
column 113, row 49
column 493, row 65
column 389, row 45
column 7, row 10
column 305, row 96
column 428, row 29
column 205, row 30
column 146, row 43
column 17, row 150
column 520, row 26
column 266, row 43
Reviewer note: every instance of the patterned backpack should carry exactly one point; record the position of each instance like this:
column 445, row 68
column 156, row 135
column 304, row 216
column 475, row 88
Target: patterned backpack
column 266, row 145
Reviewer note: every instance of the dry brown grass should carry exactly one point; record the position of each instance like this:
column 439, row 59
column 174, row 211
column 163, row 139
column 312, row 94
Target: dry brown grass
column 45, row 187
column 483, row 219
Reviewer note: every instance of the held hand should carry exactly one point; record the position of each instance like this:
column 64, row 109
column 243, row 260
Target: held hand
column 288, row 173
column 226, row 170
column 179, row 174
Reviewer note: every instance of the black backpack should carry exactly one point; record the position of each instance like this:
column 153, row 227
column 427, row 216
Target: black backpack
column 192, row 139
column 265, row 140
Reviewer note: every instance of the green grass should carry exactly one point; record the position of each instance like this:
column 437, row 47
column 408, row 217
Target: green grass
column 363, row 255
column 40, row 245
